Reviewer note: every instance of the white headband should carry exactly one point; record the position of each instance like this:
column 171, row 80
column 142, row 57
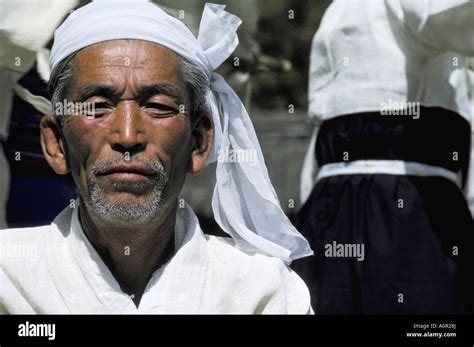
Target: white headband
column 244, row 202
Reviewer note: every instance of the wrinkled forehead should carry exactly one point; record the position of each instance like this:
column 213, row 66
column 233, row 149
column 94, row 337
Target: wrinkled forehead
column 128, row 53
column 120, row 62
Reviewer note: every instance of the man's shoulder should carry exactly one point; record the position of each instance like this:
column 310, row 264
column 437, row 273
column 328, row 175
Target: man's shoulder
column 251, row 274
column 31, row 234
column 15, row 242
column 26, row 234
column 225, row 256
column 22, row 248
column 224, row 249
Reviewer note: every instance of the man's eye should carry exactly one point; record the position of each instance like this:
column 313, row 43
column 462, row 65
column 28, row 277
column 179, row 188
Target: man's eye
column 96, row 110
column 161, row 110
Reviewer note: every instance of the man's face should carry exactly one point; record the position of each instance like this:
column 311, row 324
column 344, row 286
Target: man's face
column 130, row 157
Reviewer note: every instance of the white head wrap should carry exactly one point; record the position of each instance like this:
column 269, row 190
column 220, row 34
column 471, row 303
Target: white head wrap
column 244, row 202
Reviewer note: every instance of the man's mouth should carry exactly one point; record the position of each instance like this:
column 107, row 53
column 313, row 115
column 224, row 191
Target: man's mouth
column 128, row 172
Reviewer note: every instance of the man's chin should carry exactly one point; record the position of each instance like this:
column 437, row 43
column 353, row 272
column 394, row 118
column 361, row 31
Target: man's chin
column 125, row 208
column 139, row 190
column 125, row 215
column 121, row 203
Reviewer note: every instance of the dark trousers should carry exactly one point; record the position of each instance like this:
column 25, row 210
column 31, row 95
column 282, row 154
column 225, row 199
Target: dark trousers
column 417, row 232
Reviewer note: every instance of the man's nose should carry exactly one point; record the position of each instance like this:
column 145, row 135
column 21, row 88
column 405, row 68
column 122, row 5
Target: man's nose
column 127, row 129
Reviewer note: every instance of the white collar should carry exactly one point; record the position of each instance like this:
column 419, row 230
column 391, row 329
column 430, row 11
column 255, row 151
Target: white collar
column 176, row 287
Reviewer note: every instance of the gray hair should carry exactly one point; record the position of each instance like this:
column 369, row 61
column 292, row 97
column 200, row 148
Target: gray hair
column 197, row 84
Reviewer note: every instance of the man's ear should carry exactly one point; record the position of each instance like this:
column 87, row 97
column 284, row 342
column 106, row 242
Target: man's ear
column 53, row 145
column 202, row 139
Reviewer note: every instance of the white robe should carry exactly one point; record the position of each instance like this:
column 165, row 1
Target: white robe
column 369, row 53
column 55, row 269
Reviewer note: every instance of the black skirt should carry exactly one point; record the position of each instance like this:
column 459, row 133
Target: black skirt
column 390, row 244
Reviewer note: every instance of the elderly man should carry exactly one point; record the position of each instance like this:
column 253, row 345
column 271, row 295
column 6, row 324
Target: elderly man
column 137, row 107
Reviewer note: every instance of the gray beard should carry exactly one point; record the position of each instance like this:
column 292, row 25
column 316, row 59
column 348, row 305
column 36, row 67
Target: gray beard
column 131, row 211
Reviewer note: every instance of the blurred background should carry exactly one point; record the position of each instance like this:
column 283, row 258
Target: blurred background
column 275, row 42
column 269, row 71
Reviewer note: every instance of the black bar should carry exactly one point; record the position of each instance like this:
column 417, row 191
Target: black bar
column 211, row 329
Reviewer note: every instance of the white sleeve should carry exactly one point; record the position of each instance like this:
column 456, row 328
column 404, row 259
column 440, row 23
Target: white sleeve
column 291, row 296
column 12, row 300
column 299, row 299
column 446, row 25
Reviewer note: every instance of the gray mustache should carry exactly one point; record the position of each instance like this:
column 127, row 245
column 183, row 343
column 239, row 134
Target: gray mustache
column 101, row 166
